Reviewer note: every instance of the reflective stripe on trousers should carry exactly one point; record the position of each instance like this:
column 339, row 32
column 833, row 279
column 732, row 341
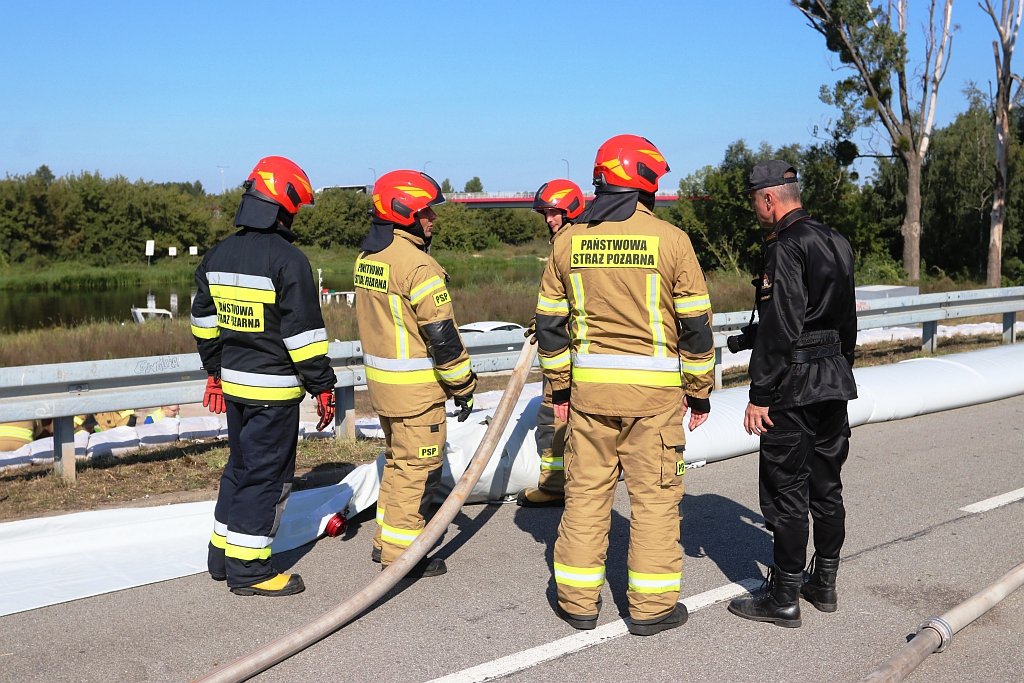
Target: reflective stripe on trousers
column 648, row 451
column 412, row 471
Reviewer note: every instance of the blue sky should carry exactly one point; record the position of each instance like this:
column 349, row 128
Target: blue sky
column 500, row 90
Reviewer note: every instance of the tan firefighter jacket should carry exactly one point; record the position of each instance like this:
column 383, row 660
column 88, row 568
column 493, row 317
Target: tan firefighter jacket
column 624, row 318
column 412, row 351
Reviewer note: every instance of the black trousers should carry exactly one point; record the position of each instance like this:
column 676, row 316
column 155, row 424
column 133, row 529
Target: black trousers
column 253, row 491
column 802, row 457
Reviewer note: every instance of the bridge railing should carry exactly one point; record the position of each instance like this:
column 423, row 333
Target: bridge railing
column 61, row 391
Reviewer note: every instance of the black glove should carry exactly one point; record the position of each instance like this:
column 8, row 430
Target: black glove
column 465, row 405
column 531, row 331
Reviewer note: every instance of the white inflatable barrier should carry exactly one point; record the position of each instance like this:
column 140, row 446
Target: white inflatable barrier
column 41, row 556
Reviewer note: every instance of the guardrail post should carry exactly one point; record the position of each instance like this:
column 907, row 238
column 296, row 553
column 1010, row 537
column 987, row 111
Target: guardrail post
column 345, row 420
column 64, row 448
column 718, row 367
column 1009, row 320
column 929, row 336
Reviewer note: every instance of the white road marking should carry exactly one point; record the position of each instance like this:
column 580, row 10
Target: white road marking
column 583, row 639
column 994, row 502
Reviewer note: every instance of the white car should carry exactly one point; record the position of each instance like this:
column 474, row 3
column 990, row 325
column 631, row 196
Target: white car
column 489, row 326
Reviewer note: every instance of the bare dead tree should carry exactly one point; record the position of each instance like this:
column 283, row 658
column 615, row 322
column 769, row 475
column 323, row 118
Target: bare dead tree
column 871, row 41
column 1007, row 23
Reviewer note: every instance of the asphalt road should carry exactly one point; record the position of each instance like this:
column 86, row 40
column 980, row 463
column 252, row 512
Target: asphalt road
column 911, row 553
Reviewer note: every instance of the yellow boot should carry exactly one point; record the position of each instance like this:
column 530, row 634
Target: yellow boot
column 282, row 584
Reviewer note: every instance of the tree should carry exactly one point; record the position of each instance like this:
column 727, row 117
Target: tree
column 339, row 218
column 446, row 186
column 474, row 185
column 459, row 228
column 957, row 192
column 1007, row 27
column 723, row 228
column 872, row 42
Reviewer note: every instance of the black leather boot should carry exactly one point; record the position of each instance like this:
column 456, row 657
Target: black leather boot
column 778, row 603
column 820, row 589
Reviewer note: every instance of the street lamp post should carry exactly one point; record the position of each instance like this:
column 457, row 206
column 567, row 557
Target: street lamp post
column 222, row 177
column 425, row 166
column 566, row 168
column 374, row 171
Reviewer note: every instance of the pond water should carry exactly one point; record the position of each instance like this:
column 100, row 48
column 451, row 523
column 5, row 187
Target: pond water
column 34, row 310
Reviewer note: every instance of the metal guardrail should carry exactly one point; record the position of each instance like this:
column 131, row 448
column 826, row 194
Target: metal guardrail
column 61, row 391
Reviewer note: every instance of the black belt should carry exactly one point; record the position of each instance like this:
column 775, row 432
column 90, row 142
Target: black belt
column 816, row 352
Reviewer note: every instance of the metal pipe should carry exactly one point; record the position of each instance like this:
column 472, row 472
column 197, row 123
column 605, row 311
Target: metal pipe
column 270, row 654
column 936, row 634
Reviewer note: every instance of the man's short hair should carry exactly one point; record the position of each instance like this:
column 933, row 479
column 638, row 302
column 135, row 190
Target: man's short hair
column 787, row 193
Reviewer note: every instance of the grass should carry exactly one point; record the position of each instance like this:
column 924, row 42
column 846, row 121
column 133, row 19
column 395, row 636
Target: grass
column 72, row 277
column 499, row 284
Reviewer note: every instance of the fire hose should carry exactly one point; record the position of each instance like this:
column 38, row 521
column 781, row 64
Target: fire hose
column 299, row 639
column 936, row 634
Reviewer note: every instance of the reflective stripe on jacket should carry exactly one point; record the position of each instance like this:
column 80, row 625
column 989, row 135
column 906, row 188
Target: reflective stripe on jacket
column 257, row 321
column 624, row 317
column 412, row 352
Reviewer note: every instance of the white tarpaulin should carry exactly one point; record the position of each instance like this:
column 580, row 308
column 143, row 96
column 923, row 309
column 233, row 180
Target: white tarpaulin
column 129, row 547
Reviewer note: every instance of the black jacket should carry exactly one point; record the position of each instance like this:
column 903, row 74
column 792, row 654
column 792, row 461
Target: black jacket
column 257, row 321
column 806, row 306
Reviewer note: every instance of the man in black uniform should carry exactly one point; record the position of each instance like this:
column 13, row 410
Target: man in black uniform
column 801, row 377
column 257, row 323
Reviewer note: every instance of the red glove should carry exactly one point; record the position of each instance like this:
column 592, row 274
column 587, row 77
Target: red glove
column 325, row 409
column 214, row 396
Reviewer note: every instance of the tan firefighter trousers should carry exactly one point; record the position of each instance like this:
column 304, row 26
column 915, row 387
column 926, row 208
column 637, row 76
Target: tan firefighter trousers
column 550, row 437
column 412, row 470
column 649, row 453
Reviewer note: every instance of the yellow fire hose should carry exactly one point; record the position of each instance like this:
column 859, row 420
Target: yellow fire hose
column 936, row 634
column 270, row 654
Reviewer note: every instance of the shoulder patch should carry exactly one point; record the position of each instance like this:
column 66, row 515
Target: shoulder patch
column 373, row 275
column 764, row 291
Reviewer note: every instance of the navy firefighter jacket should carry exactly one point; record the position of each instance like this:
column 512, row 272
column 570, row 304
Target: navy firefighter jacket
column 257, row 321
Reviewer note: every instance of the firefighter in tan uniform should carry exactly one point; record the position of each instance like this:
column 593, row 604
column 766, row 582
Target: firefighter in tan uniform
column 413, row 355
column 561, row 202
column 624, row 330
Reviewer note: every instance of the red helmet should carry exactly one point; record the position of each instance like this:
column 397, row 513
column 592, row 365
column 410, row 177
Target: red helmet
column 399, row 195
column 281, row 181
column 561, row 194
column 629, row 161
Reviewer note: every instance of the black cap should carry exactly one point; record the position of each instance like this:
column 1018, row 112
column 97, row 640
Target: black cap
column 770, row 174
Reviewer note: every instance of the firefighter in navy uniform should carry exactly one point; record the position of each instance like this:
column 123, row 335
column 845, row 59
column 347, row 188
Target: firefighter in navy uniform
column 801, row 378
column 560, row 201
column 413, row 355
column 261, row 337
column 624, row 336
